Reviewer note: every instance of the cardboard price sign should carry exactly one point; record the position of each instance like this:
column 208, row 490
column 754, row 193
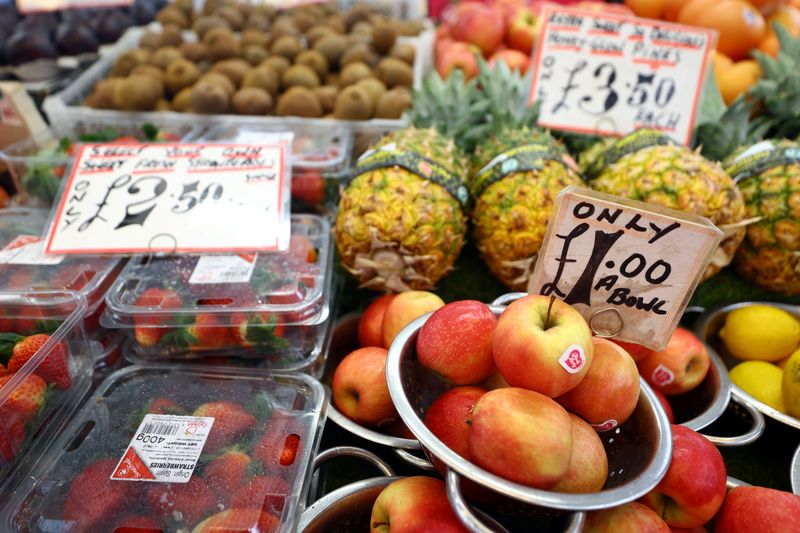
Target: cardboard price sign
column 630, row 268
column 127, row 199
column 610, row 75
column 37, row 6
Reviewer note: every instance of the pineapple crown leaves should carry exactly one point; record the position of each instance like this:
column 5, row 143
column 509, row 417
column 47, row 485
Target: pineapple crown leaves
column 720, row 138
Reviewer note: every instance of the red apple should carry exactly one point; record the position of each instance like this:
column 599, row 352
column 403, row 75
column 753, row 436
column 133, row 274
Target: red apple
column 758, row 509
column 495, row 381
column 609, row 393
column 523, row 30
column 542, row 344
column 360, row 391
column 632, row 517
column 457, row 58
column 404, row 309
column 637, row 351
column 481, row 25
column 413, row 505
column 369, row 327
column 456, row 342
column 694, row 488
column 515, row 60
column 679, row 367
column 588, row 464
column 442, row 31
column 665, row 404
column 450, row 417
column 522, row 436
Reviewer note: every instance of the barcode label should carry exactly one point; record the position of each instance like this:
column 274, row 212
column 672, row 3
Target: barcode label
column 160, row 429
column 222, row 269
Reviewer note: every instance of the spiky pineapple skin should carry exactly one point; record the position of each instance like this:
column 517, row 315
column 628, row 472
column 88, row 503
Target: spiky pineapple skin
column 396, row 230
column 678, row 178
column 770, row 253
column 510, row 216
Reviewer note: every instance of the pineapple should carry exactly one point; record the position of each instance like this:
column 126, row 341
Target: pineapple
column 647, row 166
column 512, row 208
column 768, row 174
column 396, row 230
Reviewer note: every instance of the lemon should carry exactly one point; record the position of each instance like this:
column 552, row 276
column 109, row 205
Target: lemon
column 791, row 385
column 760, row 332
column 761, row 380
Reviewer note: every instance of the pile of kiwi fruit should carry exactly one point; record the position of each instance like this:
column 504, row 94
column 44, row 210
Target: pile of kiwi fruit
column 313, row 61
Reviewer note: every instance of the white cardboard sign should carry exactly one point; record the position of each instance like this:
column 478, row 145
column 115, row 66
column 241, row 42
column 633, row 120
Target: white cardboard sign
column 37, row 6
column 606, row 74
column 628, row 267
column 174, row 198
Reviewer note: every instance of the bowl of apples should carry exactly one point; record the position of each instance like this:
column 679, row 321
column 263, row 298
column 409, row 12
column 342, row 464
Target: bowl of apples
column 524, row 407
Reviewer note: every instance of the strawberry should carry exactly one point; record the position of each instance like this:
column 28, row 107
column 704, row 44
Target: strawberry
column 165, row 406
column 278, row 447
column 11, row 439
column 187, row 503
column 148, row 330
column 262, row 332
column 309, row 187
column 24, row 401
column 209, row 331
column 71, row 276
column 94, row 498
column 231, row 421
column 239, row 521
column 227, row 472
column 54, row 368
column 3, row 370
column 266, row 492
column 136, row 524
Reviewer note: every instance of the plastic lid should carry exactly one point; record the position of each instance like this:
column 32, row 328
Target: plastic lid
column 245, row 460
column 169, row 291
column 23, row 266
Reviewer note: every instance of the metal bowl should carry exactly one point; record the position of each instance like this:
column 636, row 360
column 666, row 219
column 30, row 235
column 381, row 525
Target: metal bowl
column 707, row 328
column 639, row 451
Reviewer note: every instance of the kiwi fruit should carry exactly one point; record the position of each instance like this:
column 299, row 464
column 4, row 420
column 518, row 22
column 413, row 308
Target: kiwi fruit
column 354, row 72
column 374, row 89
column 148, row 70
column 383, row 37
column 223, row 47
column 129, row 60
column 360, row 52
column 336, row 23
column 232, row 15
column 332, row 47
column 254, row 54
column 313, row 59
column 358, row 13
column 217, row 32
column 195, row 52
column 393, row 103
column 395, row 72
column 164, row 56
column 277, row 63
column 300, row 102
column 362, row 27
column 252, row 101
column 137, row 93
column 180, row 74
column 283, row 26
column 204, row 23
column 300, row 75
column 103, row 95
column 316, row 33
column 404, row 51
column 173, row 15
column 220, row 79
column 254, row 37
column 263, row 78
column 150, row 40
column 359, row 38
column 287, row 46
column 234, row 69
column 353, row 103
column 185, row 6
column 209, row 98
column 303, row 21
column 332, row 78
column 209, row 6
column 183, row 100
column 326, row 95
column 170, row 36
column 257, row 21
column 162, row 105
column 265, row 10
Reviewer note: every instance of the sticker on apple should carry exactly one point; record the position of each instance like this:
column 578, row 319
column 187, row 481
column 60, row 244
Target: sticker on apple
column 608, row 425
column 573, row 359
column 662, row 376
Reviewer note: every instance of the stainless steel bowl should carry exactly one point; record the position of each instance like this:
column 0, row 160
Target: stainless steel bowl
column 639, row 451
column 794, row 473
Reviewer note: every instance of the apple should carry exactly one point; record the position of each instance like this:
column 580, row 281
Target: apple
column 522, row 436
column 515, row 60
column 360, row 391
column 369, row 327
column 609, row 393
column 404, row 309
column 636, row 351
column 632, row 517
column 523, row 30
column 588, row 464
column 692, row 491
column 414, row 504
column 679, row 367
column 456, row 342
column 542, row 344
column 458, row 58
column 449, row 417
column 481, row 25
column 757, row 509
column 495, row 381
column 665, row 404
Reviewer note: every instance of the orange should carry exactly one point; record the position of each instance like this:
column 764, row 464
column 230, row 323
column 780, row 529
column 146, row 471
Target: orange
column 672, row 8
column 738, row 79
column 765, row 6
column 691, row 11
column 769, row 44
column 721, row 63
column 651, row 9
column 739, row 24
column 786, row 16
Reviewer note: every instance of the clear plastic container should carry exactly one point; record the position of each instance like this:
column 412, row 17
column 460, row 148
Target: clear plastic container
column 19, row 270
column 273, row 306
column 39, row 397
column 274, row 422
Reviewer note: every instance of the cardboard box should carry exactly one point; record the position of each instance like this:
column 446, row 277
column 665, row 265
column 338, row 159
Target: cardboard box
column 19, row 118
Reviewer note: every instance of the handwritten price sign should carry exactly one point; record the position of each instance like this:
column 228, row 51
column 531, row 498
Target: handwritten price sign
column 127, row 199
column 628, row 267
column 610, row 75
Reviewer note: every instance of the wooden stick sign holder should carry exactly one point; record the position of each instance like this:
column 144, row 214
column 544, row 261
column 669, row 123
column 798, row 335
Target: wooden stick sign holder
column 628, row 267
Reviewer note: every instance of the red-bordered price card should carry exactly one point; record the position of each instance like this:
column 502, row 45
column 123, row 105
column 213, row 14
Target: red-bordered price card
column 606, row 74
column 181, row 198
column 38, row 6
